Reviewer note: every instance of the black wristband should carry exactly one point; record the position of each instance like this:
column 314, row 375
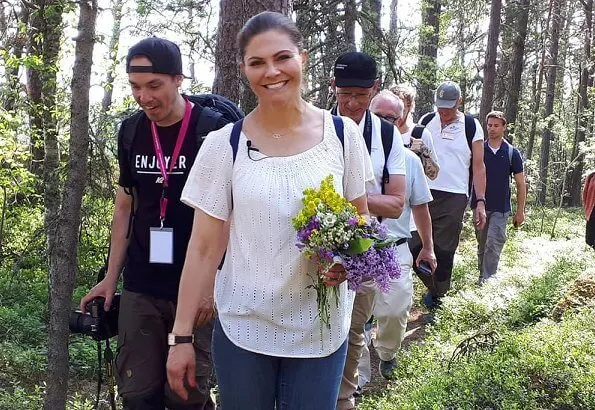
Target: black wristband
column 481, row 200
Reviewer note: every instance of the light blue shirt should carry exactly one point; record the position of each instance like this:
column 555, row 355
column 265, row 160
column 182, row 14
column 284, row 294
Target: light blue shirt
column 417, row 193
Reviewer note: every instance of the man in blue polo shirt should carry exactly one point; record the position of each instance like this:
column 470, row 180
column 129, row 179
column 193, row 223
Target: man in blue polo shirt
column 501, row 161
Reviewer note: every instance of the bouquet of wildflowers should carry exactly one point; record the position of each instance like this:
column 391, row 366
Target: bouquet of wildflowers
column 330, row 230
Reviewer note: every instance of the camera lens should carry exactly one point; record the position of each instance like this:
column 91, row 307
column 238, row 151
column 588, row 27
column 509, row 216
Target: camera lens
column 81, row 323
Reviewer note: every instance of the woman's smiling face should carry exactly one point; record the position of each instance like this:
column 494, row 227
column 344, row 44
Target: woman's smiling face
column 273, row 65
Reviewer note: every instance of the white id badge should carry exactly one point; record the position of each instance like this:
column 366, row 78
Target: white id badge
column 447, row 135
column 161, row 249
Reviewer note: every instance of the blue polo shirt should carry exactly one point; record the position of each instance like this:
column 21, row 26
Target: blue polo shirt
column 498, row 172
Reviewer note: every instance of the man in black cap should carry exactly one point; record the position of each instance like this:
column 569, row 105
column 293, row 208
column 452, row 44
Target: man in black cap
column 458, row 139
column 355, row 83
column 150, row 232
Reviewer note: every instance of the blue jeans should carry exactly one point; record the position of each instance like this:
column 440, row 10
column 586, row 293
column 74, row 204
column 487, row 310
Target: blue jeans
column 254, row 381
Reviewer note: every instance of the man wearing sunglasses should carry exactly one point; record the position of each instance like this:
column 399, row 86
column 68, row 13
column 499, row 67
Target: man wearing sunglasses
column 355, row 83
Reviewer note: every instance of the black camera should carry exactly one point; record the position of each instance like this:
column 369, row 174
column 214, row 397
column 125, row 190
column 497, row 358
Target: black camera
column 95, row 321
column 424, row 268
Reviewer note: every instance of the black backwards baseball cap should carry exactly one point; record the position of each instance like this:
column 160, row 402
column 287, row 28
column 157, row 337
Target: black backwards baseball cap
column 164, row 56
column 355, row 69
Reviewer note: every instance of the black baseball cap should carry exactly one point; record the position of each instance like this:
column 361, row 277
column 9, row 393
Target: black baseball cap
column 164, row 56
column 355, row 69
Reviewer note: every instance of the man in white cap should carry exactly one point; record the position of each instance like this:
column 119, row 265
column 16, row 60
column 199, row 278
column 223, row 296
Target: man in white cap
column 458, row 140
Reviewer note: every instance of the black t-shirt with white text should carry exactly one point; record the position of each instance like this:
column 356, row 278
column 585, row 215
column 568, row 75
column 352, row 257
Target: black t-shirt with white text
column 139, row 169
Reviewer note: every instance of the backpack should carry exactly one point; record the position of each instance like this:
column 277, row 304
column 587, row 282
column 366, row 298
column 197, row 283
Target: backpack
column 215, row 113
column 470, row 129
column 417, row 131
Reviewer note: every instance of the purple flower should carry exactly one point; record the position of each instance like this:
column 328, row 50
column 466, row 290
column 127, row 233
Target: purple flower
column 325, row 254
column 380, row 265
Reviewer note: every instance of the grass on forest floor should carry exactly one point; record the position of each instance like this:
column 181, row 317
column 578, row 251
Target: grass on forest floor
column 530, row 358
column 533, row 264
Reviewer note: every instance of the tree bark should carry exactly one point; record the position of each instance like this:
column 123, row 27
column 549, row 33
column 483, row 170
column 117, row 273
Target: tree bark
column 489, row 72
column 394, row 18
column 13, row 45
column 44, row 42
column 112, row 60
column 587, row 72
column 350, row 19
column 556, row 26
column 232, row 17
column 391, row 78
column 64, row 252
column 428, row 54
column 371, row 32
column 537, row 89
column 513, row 80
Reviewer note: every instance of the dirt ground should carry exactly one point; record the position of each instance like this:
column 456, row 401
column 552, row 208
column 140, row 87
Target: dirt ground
column 415, row 332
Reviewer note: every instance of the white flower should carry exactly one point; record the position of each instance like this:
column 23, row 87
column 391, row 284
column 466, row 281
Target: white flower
column 329, row 220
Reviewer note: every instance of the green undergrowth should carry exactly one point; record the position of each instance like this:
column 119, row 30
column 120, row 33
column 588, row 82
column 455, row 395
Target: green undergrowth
column 495, row 346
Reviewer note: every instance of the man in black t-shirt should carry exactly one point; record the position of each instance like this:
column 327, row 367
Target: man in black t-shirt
column 154, row 166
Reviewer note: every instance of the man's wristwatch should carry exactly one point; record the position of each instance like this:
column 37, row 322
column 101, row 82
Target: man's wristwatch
column 173, row 339
column 481, row 200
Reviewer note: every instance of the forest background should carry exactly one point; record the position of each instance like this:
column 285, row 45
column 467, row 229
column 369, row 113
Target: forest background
column 63, row 92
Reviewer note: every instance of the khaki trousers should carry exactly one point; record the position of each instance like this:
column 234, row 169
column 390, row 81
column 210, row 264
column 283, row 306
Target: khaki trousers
column 392, row 310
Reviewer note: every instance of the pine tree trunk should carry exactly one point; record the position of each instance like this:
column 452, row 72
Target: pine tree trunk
column 513, row 82
column 63, row 257
column 227, row 73
column 428, row 54
column 112, row 60
column 489, row 72
column 394, row 18
column 391, row 74
column 538, row 88
column 14, row 46
column 228, row 81
column 44, row 42
column 556, row 26
column 587, row 72
column 371, row 32
column 350, row 19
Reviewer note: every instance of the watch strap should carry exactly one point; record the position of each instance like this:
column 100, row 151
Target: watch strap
column 173, row 339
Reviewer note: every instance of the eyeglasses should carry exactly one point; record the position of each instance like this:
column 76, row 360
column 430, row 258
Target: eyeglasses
column 359, row 97
column 389, row 118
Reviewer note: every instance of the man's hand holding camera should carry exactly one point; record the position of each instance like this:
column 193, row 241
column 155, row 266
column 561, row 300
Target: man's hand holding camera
column 105, row 289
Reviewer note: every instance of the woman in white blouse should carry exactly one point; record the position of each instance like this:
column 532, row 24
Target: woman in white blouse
column 268, row 348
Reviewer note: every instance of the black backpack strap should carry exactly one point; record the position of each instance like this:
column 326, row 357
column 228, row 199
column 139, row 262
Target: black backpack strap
column 127, row 133
column 339, row 129
column 387, row 133
column 470, row 129
column 417, row 131
column 234, row 138
column 128, row 130
column 427, row 118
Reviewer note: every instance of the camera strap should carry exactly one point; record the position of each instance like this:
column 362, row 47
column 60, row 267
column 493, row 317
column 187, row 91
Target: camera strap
column 109, row 369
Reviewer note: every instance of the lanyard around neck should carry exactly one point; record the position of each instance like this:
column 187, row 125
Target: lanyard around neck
column 161, row 159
